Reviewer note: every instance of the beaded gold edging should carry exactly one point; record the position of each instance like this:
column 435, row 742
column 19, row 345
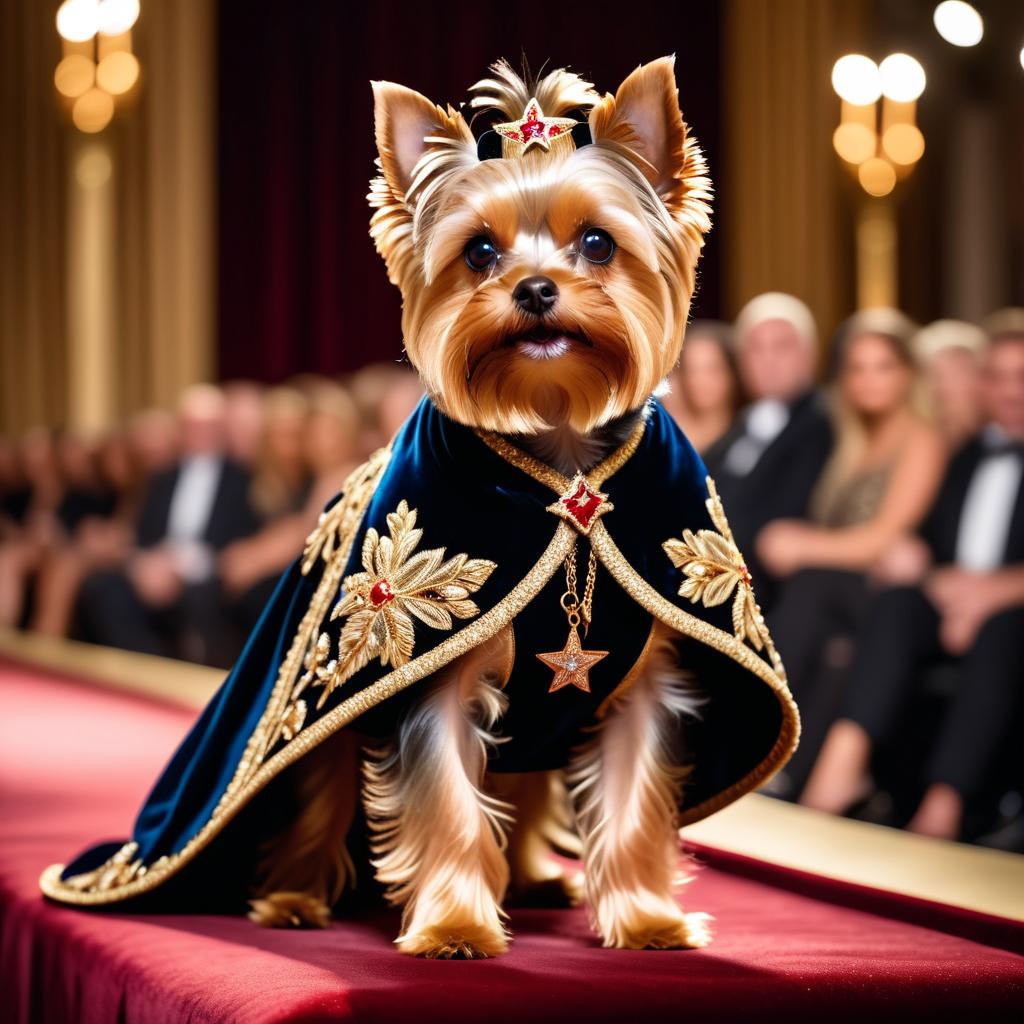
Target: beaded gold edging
column 481, row 630
column 690, row 625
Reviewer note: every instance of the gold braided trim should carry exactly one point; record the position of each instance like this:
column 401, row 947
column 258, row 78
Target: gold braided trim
column 543, row 473
column 479, row 631
column 689, row 625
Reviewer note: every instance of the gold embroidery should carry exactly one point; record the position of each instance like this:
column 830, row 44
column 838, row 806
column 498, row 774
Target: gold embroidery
column 714, row 570
column 255, row 770
column 395, row 587
column 469, row 637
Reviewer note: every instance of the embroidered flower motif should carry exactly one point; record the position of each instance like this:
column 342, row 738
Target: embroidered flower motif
column 714, row 571
column 293, row 720
column 397, row 586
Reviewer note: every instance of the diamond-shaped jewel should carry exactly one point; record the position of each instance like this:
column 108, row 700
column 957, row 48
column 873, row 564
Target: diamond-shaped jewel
column 581, row 504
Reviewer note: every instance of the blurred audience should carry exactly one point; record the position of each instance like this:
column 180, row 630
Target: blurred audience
column 878, row 483
column 169, row 534
column 957, row 596
column 704, row 394
column 166, row 599
column 949, row 354
column 767, row 463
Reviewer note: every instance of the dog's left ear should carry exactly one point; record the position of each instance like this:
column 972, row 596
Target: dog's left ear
column 644, row 116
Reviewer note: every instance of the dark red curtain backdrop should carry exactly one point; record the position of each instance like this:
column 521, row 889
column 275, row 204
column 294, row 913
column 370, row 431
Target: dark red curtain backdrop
column 301, row 288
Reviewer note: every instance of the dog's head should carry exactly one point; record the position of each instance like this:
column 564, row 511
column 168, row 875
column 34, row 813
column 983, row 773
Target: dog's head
column 548, row 285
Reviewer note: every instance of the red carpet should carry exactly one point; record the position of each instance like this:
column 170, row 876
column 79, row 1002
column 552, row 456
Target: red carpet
column 76, row 761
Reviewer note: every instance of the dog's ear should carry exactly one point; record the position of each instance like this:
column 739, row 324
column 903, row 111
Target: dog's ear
column 406, row 125
column 644, row 116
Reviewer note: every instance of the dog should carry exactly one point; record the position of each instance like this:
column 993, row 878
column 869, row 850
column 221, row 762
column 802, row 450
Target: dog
column 545, row 298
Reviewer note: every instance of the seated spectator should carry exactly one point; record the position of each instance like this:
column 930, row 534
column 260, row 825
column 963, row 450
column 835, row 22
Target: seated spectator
column 705, row 388
column 949, row 354
column 877, row 484
column 244, row 412
column 99, row 539
column 167, row 599
column 35, row 526
column 957, row 596
column 249, row 568
column 766, row 465
column 281, row 479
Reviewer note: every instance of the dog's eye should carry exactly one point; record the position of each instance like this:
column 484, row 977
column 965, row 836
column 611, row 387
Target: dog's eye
column 597, row 245
column 480, row 253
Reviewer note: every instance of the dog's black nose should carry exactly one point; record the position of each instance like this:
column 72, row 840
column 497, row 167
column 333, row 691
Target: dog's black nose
column 535, row 294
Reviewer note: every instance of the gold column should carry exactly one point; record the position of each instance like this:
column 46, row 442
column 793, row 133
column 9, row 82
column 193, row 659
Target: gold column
column 32, row 192
column 780, row 197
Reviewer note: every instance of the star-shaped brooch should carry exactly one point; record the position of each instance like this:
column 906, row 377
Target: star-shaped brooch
column 534, row 129
column 571, row 664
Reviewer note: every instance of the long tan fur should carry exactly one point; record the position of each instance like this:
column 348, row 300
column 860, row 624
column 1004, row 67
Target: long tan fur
column 626, row 786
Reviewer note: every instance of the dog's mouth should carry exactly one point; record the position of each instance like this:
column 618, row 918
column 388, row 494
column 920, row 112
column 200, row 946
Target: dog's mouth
column 545, row 342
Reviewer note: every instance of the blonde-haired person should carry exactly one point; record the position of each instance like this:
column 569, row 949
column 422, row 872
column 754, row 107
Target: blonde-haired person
column 705, row 392
column 878, row 484
column 249, row 568
column 949, row 353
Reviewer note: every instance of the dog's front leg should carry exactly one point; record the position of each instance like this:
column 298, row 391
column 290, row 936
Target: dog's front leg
column 438, row 838
column 626, row 786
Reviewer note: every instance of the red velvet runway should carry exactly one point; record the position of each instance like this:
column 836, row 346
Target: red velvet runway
column 76, row 761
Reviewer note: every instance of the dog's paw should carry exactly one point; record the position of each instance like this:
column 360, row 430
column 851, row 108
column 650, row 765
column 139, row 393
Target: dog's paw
column 692, row 932
column 672, row 931
column 442, row 943
column 289, row 910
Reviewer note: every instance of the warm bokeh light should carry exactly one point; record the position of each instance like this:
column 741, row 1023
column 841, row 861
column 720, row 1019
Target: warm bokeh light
column 903, row 144
column 117, row 16
column 78, row 20
column 93, row 168
column 855, row 78
column 117, row 72
column 854, row 142
column 74, row 75
column 92, row 111
column 902, row 77
column 958, row 23
column 1022, row 56
column 877, row 176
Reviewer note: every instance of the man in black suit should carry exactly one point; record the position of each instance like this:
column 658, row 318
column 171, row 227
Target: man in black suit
column 958, row 594
column 168, row 600
column 767, row 464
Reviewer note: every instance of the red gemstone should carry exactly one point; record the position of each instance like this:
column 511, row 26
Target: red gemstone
column 555, row 129
column 583, row 504
column 381, row 593
column 532, row 129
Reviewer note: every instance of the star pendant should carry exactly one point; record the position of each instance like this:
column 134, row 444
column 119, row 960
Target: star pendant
column 572, row 664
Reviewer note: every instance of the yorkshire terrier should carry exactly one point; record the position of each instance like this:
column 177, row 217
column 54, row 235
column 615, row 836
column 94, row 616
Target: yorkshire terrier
column 544, row 298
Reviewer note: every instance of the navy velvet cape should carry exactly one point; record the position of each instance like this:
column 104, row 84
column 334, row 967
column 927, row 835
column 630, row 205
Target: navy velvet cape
column 227, row 788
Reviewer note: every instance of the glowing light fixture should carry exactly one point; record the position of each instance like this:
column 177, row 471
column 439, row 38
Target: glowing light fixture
column 903, row 144
column 854, row 142
column 958, row 23
column 117, row 72
column 117, row 16
column 877, row 176
column 74, row 75
column 92, row 111
column 78, row 20
column 902, row 77
column 856, row 79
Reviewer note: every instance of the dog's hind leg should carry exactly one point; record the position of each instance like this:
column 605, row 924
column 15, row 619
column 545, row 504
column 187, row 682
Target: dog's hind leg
column 305, row 870
column 626, row 784
column 438, row 838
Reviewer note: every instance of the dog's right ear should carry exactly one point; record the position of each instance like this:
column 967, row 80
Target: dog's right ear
column 406, row 125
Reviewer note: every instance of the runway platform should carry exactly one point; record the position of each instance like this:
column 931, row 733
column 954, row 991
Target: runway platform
column 816, row 919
